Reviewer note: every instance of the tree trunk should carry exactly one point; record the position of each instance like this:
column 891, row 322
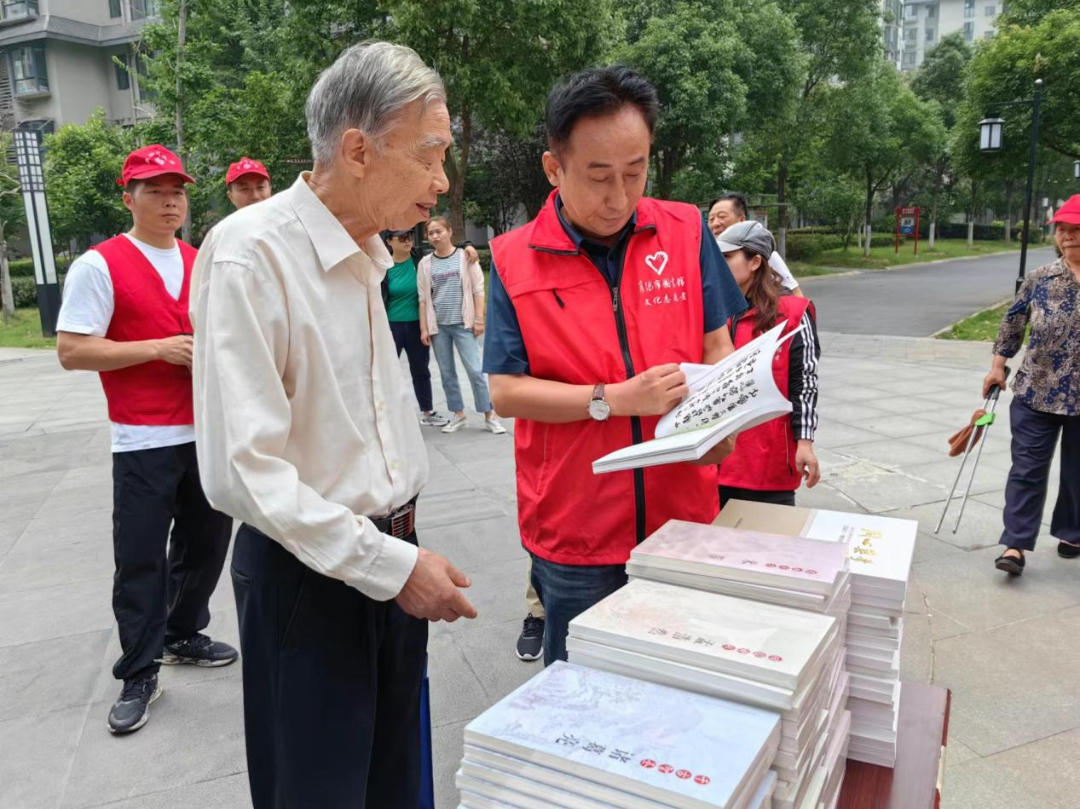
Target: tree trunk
column 460, row 166
column 1008, row 211
column 181, row 41
column 7, row 299
column 782, row 211
column 869, row 220
column 934, row 205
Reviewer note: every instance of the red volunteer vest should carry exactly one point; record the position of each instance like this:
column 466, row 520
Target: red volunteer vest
column 153, row 393
column 569, row 320
column 764, row 456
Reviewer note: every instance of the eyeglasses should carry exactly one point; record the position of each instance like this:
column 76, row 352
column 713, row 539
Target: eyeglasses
column 406, row 237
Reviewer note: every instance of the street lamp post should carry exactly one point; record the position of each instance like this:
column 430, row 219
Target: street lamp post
column 990, row 135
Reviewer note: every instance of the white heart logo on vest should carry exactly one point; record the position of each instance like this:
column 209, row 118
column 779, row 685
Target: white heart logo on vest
column 657, row 262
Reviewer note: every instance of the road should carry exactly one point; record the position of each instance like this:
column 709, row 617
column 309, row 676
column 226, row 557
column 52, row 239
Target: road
column 916, row 301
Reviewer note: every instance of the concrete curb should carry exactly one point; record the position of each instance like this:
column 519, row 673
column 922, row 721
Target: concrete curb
column 939, row 332
column 846, row 271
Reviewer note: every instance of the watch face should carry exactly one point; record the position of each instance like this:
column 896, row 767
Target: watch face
column 599, row 409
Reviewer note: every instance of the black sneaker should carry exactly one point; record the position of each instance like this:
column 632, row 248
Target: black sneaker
column 132, row 710
column 1067, row 551
column 199, row 650
column 530, row 645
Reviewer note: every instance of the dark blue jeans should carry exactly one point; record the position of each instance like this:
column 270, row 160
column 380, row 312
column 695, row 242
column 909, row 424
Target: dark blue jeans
column 566, row 591
column 407, row 338
column 1034, row 439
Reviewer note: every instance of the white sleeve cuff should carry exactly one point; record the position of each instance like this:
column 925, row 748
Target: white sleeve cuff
column 781, row 269
column 387, row 574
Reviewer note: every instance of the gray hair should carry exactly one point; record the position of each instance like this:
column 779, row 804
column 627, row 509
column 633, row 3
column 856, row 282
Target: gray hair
column 366, row 88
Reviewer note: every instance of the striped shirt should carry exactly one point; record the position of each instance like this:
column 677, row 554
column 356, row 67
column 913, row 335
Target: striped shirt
column 446, row 292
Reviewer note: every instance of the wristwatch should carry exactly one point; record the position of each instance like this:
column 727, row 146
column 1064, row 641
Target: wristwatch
column 599, row 409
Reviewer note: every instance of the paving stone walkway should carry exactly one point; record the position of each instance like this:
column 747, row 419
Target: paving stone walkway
column 1008, row 649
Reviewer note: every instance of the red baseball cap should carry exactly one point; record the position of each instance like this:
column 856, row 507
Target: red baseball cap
column 245, row 165
column 152, row 161
column 1068, row 213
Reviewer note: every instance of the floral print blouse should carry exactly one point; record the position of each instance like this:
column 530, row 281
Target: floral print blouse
column 1049, row 377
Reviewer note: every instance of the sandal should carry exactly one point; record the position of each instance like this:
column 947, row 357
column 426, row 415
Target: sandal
column 1010, row 564
column 1068, row 551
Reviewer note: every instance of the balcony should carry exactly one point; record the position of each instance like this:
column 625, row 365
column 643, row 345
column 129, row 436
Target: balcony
column 14, row 10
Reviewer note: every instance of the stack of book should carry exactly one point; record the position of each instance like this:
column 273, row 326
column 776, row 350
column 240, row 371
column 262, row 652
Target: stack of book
column 579, row 737
column 804, row 574
column 760, row 654
column 880, row 550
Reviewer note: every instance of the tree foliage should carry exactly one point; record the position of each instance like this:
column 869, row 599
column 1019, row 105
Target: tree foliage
column 82, row 164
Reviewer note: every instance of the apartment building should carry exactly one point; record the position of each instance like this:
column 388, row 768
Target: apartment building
column 925, row 22
column 57, row 61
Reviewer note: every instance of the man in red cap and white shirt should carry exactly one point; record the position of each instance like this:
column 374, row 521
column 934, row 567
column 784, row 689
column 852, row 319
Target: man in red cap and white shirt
column 247, row 182
column 125, row 315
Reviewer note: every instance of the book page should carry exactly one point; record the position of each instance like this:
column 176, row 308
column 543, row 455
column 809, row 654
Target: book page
column 736, row 381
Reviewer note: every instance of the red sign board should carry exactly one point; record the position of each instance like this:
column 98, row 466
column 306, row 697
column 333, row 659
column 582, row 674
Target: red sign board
column 907, row 224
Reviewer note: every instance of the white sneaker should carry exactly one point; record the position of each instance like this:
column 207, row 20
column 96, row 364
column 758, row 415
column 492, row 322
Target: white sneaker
column 457, row 424
column 492, row 425
column 434, row 419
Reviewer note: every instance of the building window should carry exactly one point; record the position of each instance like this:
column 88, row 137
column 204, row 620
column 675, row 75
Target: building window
column 911, row 34
column 988, row 35
column 115, row 10
column 909, row 59
column 991, row 11
column 931, row 11
column 123, row 78
column 145, row 9
column 969, row 31
column 910, row 12
column 929, row 36
column 969, row 8
column 28, row 72
column 16, row 9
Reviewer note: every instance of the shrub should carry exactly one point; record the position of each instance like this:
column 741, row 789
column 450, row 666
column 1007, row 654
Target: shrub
column 24, row 267
column 24, row 291
column 807, row 247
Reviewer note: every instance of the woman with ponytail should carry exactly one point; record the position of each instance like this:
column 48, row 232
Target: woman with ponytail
column 771, row 460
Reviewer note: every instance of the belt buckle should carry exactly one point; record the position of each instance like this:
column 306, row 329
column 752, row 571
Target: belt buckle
column 401, row 521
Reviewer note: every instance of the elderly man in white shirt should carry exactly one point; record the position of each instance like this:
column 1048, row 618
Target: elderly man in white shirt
column 306, row 433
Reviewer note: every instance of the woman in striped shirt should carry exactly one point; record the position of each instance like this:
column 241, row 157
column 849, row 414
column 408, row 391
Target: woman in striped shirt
column 451, row 292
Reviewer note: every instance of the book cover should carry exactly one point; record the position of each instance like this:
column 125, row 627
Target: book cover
column 764, row 642
column 650, row 740
column 751, row 556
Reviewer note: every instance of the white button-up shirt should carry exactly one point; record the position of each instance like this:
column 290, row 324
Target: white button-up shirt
column 304, row 425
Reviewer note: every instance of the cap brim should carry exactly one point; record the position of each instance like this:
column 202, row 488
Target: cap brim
column 149, row 175
column 256, row 172
column 727, row 247
column 1064, row 218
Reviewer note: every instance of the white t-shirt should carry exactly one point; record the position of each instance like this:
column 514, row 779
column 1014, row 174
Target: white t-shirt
column 88, row 309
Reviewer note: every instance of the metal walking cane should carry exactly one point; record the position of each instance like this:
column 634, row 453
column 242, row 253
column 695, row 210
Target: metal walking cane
column 980, row 429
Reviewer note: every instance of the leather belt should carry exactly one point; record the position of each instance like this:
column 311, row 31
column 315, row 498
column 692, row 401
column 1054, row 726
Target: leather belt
column 401, row 523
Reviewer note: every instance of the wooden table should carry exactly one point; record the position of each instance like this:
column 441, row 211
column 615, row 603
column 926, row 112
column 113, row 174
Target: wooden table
column 914, row 783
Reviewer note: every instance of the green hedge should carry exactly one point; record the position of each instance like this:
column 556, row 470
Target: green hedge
column 24, row 290
column 807, row 247
column 24, row 267
column 984, row 233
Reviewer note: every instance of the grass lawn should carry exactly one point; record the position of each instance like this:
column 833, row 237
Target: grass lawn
column 982, row 327
column 24, row 331
column 882, row 258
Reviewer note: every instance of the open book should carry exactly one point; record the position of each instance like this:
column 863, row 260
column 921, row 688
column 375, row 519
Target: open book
column 737, row 393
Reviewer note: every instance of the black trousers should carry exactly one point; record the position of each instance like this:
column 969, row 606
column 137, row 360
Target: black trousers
column 331, row 686
column 163, row 580
column 784, row 498
column 407, row 337
column 1034, row 439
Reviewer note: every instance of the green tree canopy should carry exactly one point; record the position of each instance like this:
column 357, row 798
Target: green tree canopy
column 82, row 164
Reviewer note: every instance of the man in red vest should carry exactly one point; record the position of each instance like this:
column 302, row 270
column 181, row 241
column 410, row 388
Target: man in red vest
column 593, row 305
column 125, row 315
column 246, row 182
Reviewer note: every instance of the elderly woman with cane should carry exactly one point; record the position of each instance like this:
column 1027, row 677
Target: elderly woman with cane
column 1046, row 401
